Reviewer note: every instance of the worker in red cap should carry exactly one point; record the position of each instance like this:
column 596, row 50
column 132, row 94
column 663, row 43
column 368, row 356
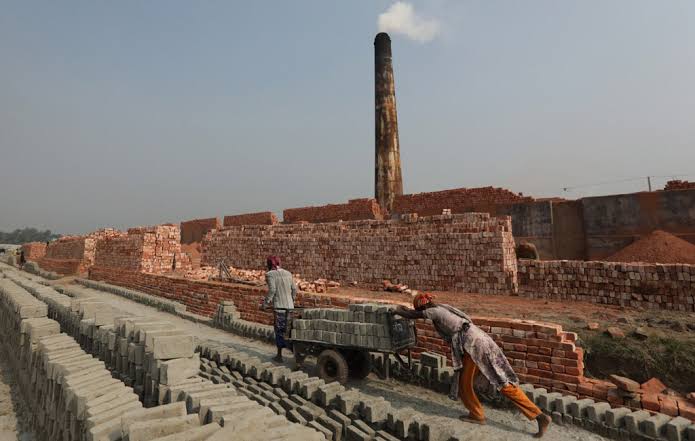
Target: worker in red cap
column 281, row 295
column 474, row 350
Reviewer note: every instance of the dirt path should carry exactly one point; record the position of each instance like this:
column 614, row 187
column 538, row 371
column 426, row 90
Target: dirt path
column 502, row 424
column 14, row 417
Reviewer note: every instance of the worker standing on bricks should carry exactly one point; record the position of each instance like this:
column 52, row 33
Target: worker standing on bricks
column 281, row 294
column 472, row 350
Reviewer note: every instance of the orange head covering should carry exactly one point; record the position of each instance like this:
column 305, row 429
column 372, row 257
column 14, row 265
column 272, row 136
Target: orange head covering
column 422, row 300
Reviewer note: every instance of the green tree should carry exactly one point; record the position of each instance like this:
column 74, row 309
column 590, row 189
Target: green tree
column 25, row 235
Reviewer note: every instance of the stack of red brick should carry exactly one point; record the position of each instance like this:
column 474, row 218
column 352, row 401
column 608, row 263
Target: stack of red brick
column 262, row 218
column 679, row 185
column 73, row 254
column 355, row 209
column 459, row 200
column 33, row 251
column 194, row 230
column 154, row 250
column 669, row 287
column 471, row 252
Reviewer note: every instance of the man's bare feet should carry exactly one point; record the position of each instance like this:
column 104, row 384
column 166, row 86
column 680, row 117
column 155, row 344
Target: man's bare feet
column 471, row 420
column 543, row 423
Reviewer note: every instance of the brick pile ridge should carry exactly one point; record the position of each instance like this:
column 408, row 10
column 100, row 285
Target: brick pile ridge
column 155, row 249
column 669, row 287
column 74, row 254
column 679, row 185
column 472, row 251
column 459, row 200
column 542, row 354
column 261, row 218
column 354, row 209
column 193, row 230
column 657, row 247
column 34, row 251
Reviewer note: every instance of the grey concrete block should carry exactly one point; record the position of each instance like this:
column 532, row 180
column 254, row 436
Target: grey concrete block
column 596, row 412
column 616, row 417
column 352, row 433
column 545, row 400
column 333, row 426
column 633, row 420
column 655, row 425
column 676, row 429
column 561, row 404
column 578, row 408
column 151, row 429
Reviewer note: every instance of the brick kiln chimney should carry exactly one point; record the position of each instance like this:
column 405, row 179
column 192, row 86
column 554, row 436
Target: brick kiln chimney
column 388, row 182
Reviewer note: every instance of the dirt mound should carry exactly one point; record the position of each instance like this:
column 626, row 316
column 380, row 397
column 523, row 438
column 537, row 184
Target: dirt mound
column 657, row 247
column 194, row 251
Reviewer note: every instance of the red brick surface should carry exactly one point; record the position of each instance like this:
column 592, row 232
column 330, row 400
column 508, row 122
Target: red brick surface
column 670, row 287
column 355, row 209
column 148, row 249
column 459, row 200
column 34, row 251
column 262, row 218
column 471, row 252
column 194, row 230
column 679, row 185
column 73, row 254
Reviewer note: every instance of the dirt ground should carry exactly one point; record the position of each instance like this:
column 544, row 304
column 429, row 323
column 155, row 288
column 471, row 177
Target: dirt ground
column 14, row 417
column 502, row 424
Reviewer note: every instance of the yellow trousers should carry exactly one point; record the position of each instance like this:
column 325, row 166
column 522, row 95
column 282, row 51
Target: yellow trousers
column 470, row 399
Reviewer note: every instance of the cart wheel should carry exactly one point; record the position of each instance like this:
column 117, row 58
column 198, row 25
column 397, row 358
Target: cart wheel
column 299, row 353
column 332, row 366
column 359, row 364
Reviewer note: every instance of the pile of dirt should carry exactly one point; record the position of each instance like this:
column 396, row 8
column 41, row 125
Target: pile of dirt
column 657, row 247
column 194, row 251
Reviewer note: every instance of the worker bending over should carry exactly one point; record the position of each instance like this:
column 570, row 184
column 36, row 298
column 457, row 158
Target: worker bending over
column 473, row 350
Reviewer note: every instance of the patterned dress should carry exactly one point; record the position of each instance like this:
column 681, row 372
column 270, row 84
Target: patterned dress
column 465, row 337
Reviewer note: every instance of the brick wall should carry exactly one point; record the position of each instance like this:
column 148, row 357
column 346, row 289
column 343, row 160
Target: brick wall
column 73, row 254
column 262, row 218
column 459, row 200
column 355, row 209
column 679, row 185
column 34, row 251
column 654, row 286
column 148, row 249
column 471, row 252
column 194, row 230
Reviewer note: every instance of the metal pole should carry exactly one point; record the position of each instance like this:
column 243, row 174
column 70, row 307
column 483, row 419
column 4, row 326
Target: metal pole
column 649, row 183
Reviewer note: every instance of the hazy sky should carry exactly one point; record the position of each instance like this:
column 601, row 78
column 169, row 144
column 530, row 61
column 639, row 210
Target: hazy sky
column 129, row 113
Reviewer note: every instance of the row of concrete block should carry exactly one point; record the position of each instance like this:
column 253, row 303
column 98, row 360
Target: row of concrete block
column 70, row 393
column 225, row 315
column 356, row 312
column 616, row 423
column 143, row 352
column 332, row 409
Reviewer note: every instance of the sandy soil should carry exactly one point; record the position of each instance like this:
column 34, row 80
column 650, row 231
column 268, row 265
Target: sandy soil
column 503, row 425
column 14, row 421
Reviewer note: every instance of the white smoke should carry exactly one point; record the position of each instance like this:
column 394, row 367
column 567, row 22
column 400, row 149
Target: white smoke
column 401, row 18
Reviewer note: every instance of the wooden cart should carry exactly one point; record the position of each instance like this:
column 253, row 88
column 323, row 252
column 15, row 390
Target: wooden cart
column 336, row 362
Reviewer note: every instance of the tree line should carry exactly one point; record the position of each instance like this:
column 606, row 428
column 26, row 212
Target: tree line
column 24, row 235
